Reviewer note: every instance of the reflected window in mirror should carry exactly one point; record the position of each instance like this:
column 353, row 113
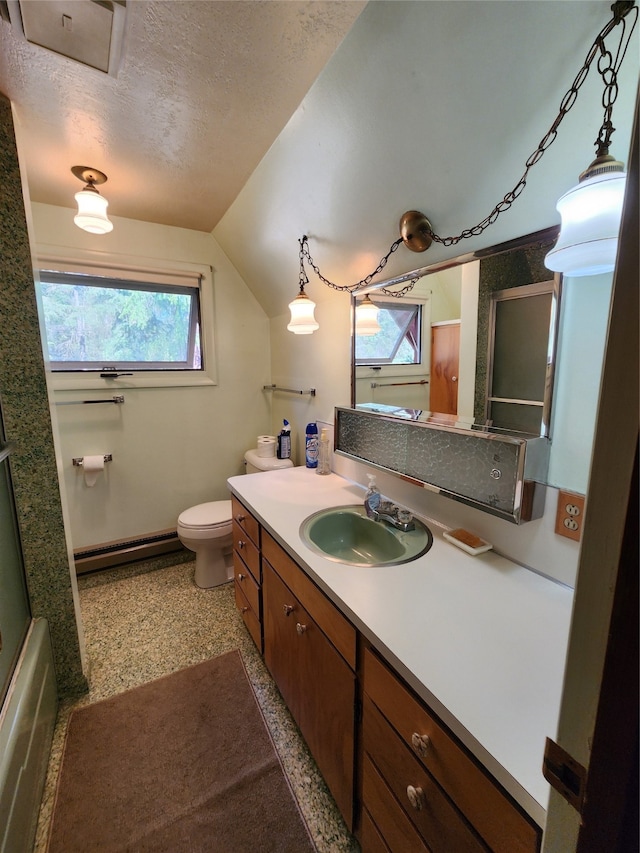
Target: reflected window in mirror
column 392, row 366
column 399, row 340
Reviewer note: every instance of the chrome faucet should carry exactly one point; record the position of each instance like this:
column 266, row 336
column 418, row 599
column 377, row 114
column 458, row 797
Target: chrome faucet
column 381, row 510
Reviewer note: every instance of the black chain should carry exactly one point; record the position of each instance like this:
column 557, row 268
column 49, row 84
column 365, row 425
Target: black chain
column 304, row 253
column 608, row 70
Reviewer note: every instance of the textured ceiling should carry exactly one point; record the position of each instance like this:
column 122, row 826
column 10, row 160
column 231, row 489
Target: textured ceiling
column 203, row 90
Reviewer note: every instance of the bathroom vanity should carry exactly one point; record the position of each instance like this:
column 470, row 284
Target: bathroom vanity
column 425, row 691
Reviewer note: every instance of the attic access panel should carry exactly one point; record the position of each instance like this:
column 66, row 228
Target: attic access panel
column 78, row 29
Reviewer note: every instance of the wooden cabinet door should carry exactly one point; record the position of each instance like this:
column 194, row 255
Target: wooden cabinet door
column 316, row 684
column 445, row 357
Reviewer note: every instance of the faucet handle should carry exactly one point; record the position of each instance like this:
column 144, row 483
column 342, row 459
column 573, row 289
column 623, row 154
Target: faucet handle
column 404, row 516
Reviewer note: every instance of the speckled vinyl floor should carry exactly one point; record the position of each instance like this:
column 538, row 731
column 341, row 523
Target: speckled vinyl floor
column 141, row 627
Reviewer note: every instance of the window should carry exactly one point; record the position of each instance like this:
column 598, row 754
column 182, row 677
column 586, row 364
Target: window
column 98, row 323
column 399, row 340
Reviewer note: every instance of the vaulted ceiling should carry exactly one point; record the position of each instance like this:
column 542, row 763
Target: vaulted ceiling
column 200, row 93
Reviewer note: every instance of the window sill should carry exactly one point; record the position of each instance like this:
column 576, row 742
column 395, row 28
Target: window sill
column 83, row 382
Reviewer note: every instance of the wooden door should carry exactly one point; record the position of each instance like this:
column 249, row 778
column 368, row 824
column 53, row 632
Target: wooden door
column 445, row 356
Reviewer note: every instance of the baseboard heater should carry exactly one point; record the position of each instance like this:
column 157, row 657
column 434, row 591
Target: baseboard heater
column 119, row 553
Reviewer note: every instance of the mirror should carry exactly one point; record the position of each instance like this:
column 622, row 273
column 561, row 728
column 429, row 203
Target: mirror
column 443, row 350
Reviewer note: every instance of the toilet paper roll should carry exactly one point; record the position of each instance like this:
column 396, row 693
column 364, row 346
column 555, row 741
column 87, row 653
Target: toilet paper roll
column 92, row 467
column 266, row 445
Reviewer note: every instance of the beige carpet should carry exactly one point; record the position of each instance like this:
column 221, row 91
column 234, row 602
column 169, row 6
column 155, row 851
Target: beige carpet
column 183, row 764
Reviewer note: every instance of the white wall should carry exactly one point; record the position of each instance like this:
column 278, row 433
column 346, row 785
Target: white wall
column 172, row 447
column 433, row 106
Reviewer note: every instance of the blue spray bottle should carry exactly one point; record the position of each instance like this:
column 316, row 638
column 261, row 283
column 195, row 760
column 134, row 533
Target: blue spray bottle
column 311, row 445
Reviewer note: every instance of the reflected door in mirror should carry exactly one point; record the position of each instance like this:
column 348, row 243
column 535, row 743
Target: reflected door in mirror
column 445, row 354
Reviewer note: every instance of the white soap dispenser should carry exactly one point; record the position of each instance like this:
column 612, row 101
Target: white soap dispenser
column 373, row 497
column 324, row 464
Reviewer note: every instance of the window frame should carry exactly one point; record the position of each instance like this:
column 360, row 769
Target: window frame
column 107, row 282
column 136, row 271
column 388, row 369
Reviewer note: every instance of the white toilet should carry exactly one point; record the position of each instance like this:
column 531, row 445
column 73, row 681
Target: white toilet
column 206, row 528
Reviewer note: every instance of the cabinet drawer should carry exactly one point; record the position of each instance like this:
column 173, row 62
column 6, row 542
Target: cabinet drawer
column 246, row 582
column 247, row 522
column 370, row 838
column 392, row 823
column 249, row 617
column 500, row 823
column 326, row 615
column 246, row 549
column 439, row 823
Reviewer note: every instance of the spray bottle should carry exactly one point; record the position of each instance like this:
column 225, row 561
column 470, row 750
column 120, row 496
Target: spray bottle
column 311, row 445
column 284, row 441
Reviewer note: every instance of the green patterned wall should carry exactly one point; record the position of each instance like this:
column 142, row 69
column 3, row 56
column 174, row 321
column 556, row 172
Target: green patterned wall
column 27, row 419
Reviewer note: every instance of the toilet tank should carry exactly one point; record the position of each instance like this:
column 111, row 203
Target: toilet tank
column 254, row 464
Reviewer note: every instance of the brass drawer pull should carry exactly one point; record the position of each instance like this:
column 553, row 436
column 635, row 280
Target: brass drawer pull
column 300, row 628
column 416, row 797
column 243, row 609
column 420, row 743
column 288, row 609
column 241, row 518
column 241, row 577
column 241, row 544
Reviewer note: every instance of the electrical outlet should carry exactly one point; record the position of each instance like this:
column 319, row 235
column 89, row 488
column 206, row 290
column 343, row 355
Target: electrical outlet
column 570, row 515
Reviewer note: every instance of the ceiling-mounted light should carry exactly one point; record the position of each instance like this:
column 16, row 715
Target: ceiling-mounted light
column 367, row 317
column 591, row 212
column 92, row 207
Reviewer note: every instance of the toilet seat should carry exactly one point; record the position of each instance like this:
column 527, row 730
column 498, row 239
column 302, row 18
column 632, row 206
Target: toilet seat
column 214, row 515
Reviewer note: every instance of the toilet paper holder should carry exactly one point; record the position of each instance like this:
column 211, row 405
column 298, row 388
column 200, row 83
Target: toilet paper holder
column 78, row 461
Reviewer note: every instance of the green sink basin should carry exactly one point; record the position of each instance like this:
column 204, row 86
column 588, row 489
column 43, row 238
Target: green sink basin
column 344, row 534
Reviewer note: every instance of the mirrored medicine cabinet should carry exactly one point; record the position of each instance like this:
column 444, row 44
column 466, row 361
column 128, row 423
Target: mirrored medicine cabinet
column 471, row 351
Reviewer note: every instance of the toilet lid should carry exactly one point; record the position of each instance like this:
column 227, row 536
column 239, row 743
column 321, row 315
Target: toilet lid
column 210, row 514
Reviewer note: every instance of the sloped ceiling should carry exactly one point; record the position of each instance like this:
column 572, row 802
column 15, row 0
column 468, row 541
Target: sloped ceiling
column 433, row 106
column 203, row 90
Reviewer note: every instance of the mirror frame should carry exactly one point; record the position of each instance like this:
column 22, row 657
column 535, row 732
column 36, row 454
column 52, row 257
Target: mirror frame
column 528, row 241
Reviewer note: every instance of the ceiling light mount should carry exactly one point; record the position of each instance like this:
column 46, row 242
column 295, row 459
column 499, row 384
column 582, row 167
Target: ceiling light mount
column 92, row 207
column 89, row 176
column 416, row 231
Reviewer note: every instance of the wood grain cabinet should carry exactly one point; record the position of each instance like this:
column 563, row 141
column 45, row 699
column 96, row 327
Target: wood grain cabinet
column 421, row 789
column 310, row 650
column 401, row 779
column 247, row 569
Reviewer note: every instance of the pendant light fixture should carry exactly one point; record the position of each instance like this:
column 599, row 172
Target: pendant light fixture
column 303, row 321
column 92, row 207
column 367, row 317
column 590, row 212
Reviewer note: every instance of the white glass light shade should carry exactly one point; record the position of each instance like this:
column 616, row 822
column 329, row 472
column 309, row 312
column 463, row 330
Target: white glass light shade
column 367, row 318
column 591, row 214
column 92, row 212
column 302, row 320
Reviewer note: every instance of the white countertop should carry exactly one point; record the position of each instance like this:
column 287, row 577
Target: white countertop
column 480, row 639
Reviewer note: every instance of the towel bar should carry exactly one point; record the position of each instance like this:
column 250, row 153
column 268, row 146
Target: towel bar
column 119, row 398
column 311, row 391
